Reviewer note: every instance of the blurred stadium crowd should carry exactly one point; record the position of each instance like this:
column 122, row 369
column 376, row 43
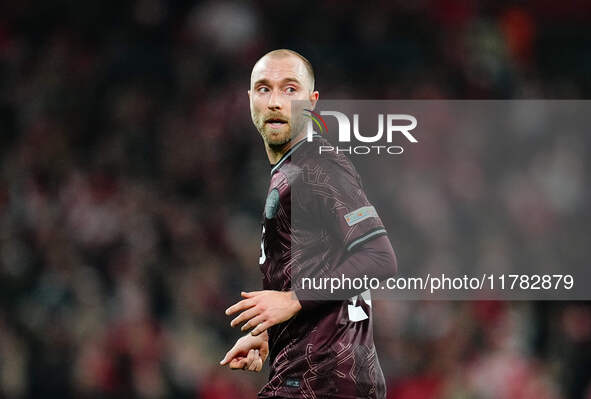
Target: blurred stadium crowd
column 132, row 182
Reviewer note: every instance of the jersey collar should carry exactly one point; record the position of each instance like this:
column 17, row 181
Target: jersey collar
column 291, row 151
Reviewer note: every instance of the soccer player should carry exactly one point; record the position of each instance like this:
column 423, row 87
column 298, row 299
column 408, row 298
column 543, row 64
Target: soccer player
column 317, row 348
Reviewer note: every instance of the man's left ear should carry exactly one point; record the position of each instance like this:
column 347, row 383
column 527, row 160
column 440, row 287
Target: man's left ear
column 314, row 99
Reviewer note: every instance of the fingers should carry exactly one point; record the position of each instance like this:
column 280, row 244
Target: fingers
column 250, row 294
column 255, row 361
column 252, row 362
column 245, row 303
column 242, row 305
column 259, row 364
column 246, row 315
column 238, row 363
column 231, row 354
column 255, row 321
column 262, row 327
column 250, row 358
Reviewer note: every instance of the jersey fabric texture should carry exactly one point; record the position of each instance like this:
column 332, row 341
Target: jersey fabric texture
column 316, row 214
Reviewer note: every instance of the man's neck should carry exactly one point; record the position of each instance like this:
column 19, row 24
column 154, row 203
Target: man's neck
column 275, row 155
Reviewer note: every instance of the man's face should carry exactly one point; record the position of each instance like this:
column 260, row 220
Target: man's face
column 275, row 82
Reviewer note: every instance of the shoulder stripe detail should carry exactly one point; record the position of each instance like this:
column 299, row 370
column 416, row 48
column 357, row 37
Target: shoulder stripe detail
column 366, row 237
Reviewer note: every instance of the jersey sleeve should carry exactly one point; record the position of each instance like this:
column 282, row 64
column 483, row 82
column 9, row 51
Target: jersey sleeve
column 340, row 203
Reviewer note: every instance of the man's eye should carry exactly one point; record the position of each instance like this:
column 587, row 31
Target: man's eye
column 263, row 89
column 291, row 90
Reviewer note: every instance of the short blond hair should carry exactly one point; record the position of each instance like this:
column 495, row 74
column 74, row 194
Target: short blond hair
column 283, row 52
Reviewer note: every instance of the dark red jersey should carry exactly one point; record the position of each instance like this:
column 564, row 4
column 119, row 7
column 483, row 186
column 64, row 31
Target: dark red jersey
column 316, row 215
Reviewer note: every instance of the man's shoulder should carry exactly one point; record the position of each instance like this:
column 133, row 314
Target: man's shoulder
column 313, row 158
column 320, row 175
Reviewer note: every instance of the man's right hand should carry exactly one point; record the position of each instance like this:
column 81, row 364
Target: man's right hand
column 248, row 353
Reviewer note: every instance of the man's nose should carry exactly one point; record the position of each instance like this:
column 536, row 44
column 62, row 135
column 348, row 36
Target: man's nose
column 274, row 101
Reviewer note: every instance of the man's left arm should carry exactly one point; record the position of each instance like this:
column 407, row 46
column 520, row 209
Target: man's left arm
column 374, row 258
column 343, row 206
